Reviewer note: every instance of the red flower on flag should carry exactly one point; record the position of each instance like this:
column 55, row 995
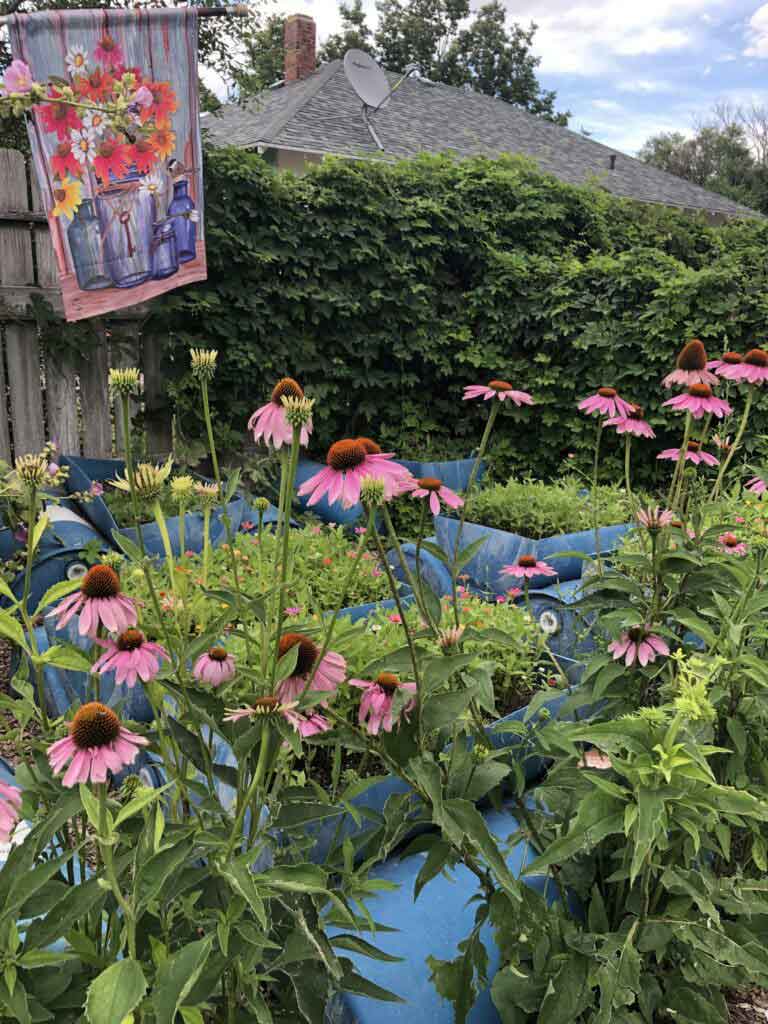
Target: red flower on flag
column 112, row 157
column 142, row 153
column 63, row 161
column 164, row 103
column 59, row 117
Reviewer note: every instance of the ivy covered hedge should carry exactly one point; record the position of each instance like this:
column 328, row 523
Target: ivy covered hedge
column 385, row 288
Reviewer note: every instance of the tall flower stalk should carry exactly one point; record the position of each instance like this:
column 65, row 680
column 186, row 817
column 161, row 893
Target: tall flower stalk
column 736, row 444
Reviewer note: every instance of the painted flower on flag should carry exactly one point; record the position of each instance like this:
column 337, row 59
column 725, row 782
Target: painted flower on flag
column 83, row 147
column 143, row 155
column 76, row 60
column 109, row 52
column 112, row 158
column 97, row 86
column 64, row 162
column 163, row 142
column 164, row 103
column 67, row 196
column 59, row 117
column 95, row 122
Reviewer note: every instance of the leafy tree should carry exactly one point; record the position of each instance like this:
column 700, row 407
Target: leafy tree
column 263, row 61
column 354, row 35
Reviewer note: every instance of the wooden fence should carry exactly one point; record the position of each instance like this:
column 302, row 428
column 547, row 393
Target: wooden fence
column 48, row 390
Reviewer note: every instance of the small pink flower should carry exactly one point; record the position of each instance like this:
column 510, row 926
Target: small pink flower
column 655, row 519
column 435, row 490
column 691, row 367
column 740, row 520
column 699, row 401
column 693, row 454
column 293, row 611
column 214, row 667
column 633, row 423
column 376, row 572
column 606, row 402
column 755, row 366
column 246, row 526
column 348, row 462
column 500, row 389
column 360, row 531
column 10, row 808
column 98, row 602
column 376, row 706
column 316, row 531
column 638, row 644
column 109, row 52
column 396, row 618
column 96, row 489
column 528, row 566
column 18, row 77
column 143, row 97
column 131, row 656
column 731, row 545
column 730, row 367
column 757, row 485
column 513, row 593
column 595, row 759
column 501, row 599
column 97, row 743
column 329, row 673
column 269, row 423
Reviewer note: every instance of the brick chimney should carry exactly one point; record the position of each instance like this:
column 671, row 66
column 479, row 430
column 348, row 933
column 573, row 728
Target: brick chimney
column 299, row 43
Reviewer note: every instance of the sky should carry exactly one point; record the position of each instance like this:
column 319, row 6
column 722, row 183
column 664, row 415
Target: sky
column 628, row 69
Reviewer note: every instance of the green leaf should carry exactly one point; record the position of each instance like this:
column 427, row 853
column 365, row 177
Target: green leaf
column 138, row 803
column 12, row 630
column 358, row 945
column 176, row 978
column 352, row 982
column 65, row 656
column 155, row 872
column 127, row 546
column 444, row 708
column 295, row 878
column 55, row 593
column 115, row 993
column 77, row 903
column 90, row 804
column 471, row 825
column 40, row 527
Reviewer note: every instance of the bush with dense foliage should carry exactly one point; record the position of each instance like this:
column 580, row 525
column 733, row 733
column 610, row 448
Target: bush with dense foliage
column 384, row 287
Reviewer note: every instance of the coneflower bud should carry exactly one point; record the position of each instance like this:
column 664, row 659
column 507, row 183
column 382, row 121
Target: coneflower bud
column 149, row 480
column 298, row 411
column 207, row 494
column 33, row 470
column 125, row 381
column 448, row 638
column 372, row 491
column 182, row 489
column 260, row 504
column 203, row 362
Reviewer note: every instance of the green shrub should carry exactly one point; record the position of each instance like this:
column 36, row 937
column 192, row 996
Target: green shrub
column 535, row 509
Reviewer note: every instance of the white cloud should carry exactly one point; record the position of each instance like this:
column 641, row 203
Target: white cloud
column 644, row 85
column 757, row 33
column 609, row 106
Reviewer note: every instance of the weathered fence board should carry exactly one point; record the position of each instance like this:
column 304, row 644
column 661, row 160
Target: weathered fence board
column 51, row 391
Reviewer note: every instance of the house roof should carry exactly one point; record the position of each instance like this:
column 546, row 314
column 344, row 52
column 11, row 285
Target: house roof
column 322, row 114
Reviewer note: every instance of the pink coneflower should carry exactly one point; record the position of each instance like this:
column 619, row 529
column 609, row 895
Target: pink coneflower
column 730, row 367
column 757, row 485
column 18, row 77
column 731, row 545
column 632, row 423
column 216, row 666
column 699, row 401
column 655, row 519
column 109, row 52
column 269, row 423
column 267, row 707
column 527, row 566
column 693, row 454
column 329, row 673
column 348, row 463
column 755, row 366
column 638, row 644
column 98, row 602
column 309, row 724
column 131, row 656
column 97, row 743
column 595, row 759
column 377, row 701
column 500, row 389
column 723, row 444
column 691, row 367
column 10, row 808
column 606, row 402
column 436, row 491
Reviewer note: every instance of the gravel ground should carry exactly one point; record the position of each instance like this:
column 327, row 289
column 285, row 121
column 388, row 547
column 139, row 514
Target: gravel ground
column 749, row 1007
column 9, row 748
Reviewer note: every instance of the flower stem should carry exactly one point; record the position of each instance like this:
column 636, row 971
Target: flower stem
column 284, row 544
column 680, row 464
column 415, row 587
column 595, row 503
column 736, row 442
column 29, row 625
column 206, row 543
column 162, row 527
column 105, row 848
column 129, row 472
column 258, row 777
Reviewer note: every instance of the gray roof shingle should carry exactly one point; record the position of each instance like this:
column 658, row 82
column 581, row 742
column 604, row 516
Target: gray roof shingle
column 322, row 114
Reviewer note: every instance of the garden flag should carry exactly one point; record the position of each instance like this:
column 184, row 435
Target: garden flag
column 116, row 147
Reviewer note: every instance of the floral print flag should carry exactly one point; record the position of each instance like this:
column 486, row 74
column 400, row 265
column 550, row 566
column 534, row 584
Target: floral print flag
column 115, row 139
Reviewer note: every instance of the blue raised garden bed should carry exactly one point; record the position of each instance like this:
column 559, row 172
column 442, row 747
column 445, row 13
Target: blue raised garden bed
column 84, row 472
column 454, row 473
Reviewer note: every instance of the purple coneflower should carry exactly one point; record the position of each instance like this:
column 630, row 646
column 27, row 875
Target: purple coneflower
column 755, row 366
column 693, row 453
column 638, row 644
column 270, row 424
column 595, row 759
column 348, row 463
column 500, row 389
column 435, row 490
column 97, row 743
column 691, row 367
column 98, row 602
column 699, row 401
column 216, row 666
column 377, row 702
column 632, row 423
column 10, row 806
column 729, row 367
column 731, row 545
column 131, row 656
column 328, row 676
column 655, row 519
column 606, row 402
column 757, row 485
column 528, row 566
column 267, row 707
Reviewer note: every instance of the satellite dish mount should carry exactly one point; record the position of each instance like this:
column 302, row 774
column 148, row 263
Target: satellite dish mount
column 371, row 85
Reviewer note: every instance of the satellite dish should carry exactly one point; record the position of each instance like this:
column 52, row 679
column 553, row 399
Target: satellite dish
column 366, row 78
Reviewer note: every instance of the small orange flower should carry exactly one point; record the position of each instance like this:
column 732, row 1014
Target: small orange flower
column 163, row 142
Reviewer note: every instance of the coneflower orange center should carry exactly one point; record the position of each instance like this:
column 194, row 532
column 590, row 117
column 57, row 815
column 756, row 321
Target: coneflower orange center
column 101, row 581
column 370, row 447
column 607, row 392
column 265, row 705
column 307, row 651
column 430, row 483
column 526, row 561
column 217, row 654
column 700, row 390
column 693, row 356
column 637, row 633
column 756, row 357
column 733, row 358
column 693, row 446
column 94, row 725
column 387, row 681
column 287, row 387
column 344, row 455
column 500, row 385
column 730, row 540
column 130, row 640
